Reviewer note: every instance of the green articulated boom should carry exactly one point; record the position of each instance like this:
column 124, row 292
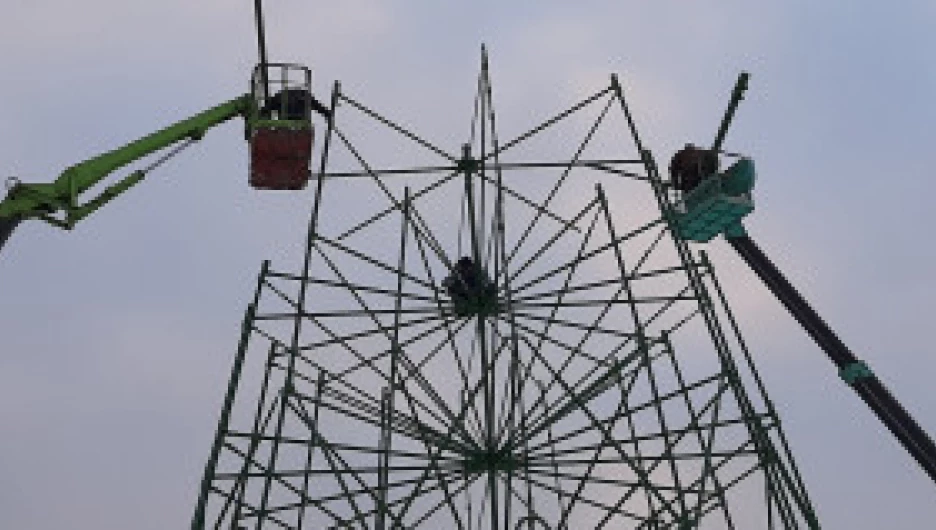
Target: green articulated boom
column 57, row 202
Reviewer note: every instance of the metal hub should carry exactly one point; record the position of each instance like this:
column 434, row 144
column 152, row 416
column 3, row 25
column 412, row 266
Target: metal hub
column 496, row 460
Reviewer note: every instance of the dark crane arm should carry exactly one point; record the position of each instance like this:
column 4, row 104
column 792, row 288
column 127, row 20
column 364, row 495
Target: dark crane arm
column 852, row 370
column 698, row 220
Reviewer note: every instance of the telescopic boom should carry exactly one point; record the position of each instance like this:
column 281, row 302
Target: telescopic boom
column 852, row 370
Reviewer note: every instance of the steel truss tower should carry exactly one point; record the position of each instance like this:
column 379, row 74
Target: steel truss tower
column 596, row 379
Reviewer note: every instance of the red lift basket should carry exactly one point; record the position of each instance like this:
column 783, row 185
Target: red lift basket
column 279, row 158
column 280, row 127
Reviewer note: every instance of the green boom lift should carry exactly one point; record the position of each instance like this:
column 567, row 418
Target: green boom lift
column 58, row 203
column 278, row 114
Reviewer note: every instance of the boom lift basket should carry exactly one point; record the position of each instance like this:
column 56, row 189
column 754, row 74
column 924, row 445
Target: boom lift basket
column 279, row 126
column 717, row 204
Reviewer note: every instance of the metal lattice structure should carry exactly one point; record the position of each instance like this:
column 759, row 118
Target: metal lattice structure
column 601, row 382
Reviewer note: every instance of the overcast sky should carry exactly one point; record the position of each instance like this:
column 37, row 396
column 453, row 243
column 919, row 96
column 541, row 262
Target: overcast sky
column 116, row 339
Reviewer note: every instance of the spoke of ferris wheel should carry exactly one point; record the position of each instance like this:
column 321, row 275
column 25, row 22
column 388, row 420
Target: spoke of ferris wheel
column 527, row 503
column 624, row 484
column 605, row 361
column 590, row 329
column 363, row 257
column 569, row 351
column 487, row 359
column 603, row 164
column 340, row 339
column 453, row 460
column 387, row 211
column 698, row 484
column 589, row 255
column 320, row 503
column 387, row 404
column 470, row 390
column 560, row 181
column 361, row 471
column 585, row 287
column 550, row 122
column 354, row 474
column 449, row 497
column 555, row 308
column 511, row 392
column 550, row 414
column 266, row 472
column 715, row 498
column 513, row 385
column 366, row 408
column 454, row 172
column 479, row 236
column 484, row 505
column 331, row 377
column 579, row 399
column 554, row 238
column 416, row 372
column 604, row 508
column 708, row 470
column 421, row 227
column 579, row 431
column 352, row 313
column 636, row 467
column 601, row 316
column 398, row 128
column 555, row 464
column 348, row 495
column 629, row 302
column 366, row 309
column 695, row 427
column 449, row 338
column 251, row 510
column 634, row 274
column 472, row 394
column 366, row 396
column 444, row 485
column 362, row 517
column 642, row 345
column 690, row 407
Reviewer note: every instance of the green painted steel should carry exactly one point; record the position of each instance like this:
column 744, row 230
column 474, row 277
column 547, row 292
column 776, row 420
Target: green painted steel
column 854, row 372
column 715, row 206
column 44, row 201
column 738, row 179
column 610, row 388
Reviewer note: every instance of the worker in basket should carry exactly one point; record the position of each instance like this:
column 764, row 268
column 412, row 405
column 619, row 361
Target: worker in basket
column 690, row 165
column 292, row 104
column 467, row 281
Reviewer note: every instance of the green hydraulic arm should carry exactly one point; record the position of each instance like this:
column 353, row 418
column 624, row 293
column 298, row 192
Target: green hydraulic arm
column 57, row 203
